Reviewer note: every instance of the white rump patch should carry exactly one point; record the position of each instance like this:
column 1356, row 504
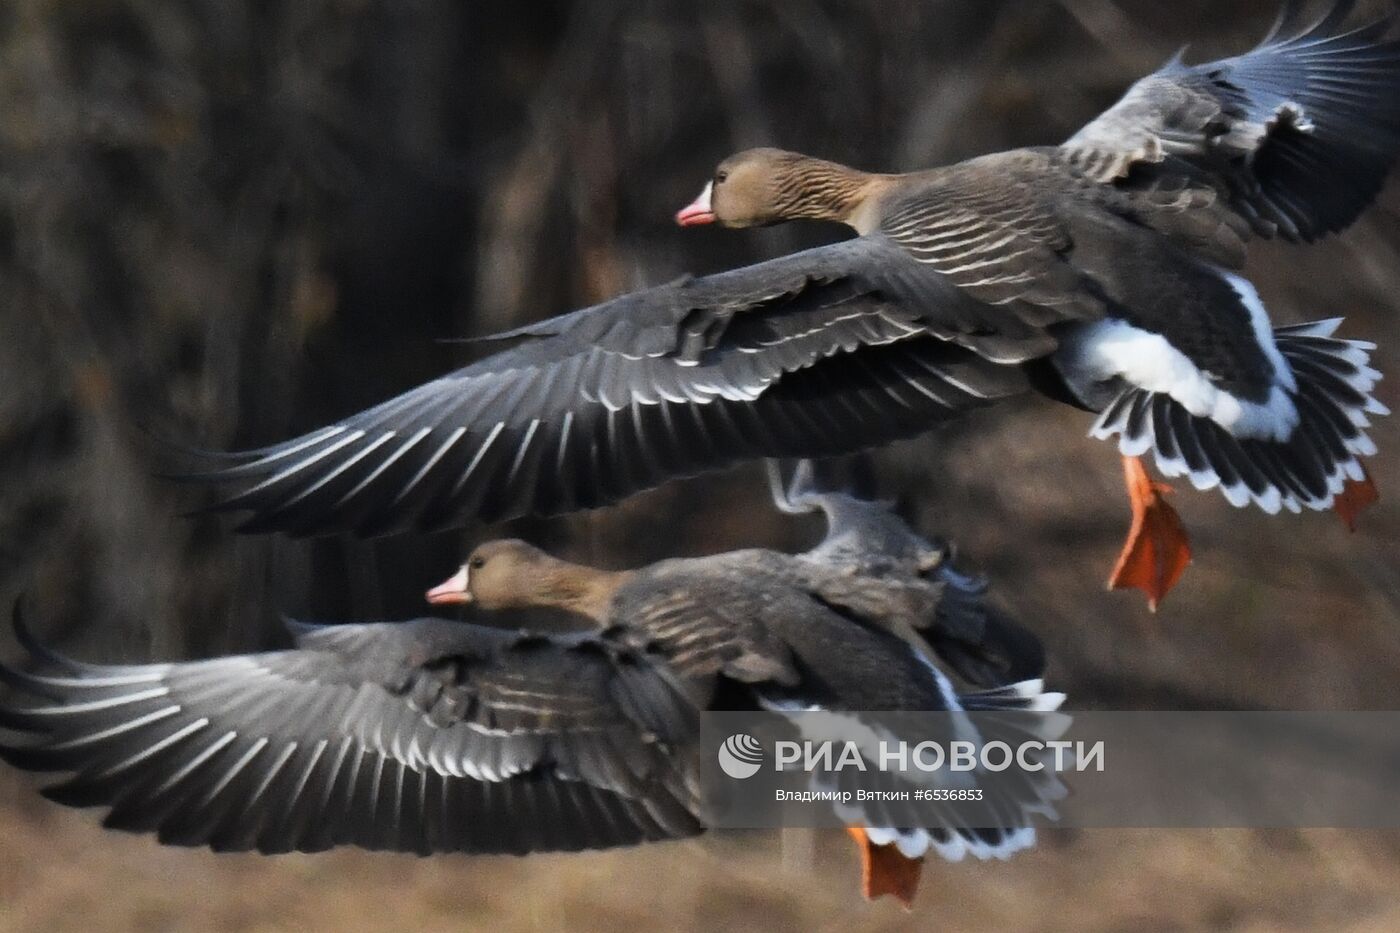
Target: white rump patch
column 1103, row 350
column 1346, row 361
column 913, row 843
column 1263, row 327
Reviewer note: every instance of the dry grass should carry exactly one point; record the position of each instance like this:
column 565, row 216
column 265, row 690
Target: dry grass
column 59, row 871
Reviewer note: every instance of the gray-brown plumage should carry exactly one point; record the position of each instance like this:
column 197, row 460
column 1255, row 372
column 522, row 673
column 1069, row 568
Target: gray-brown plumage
column 434, row 735
column 1100, row 270
column 417, row 736
column 865, row 539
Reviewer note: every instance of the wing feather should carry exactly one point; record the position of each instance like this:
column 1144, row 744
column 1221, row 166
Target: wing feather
column 693, row 376
column 1297, row 134
column 371, row 735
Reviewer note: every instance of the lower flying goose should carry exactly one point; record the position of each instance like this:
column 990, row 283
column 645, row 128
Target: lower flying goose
column 1104, row 271
column 435, row 735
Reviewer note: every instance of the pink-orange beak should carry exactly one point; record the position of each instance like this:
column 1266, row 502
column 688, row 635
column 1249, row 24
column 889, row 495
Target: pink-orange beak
column 451, row 591
column 697, row 211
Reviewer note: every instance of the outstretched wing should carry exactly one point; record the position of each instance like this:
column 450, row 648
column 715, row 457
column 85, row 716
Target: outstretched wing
column 419, row 736
column 822, row 352
column 1298, row 134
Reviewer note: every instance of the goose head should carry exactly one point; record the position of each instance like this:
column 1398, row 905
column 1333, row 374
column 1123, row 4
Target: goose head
column 759, row 187
column 513, row 574
column 496, row 575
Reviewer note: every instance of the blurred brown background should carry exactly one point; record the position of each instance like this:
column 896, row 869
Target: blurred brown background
column 226, row 221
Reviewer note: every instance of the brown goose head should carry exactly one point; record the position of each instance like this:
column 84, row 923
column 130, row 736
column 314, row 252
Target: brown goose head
column 512, row 574
column 758, row 187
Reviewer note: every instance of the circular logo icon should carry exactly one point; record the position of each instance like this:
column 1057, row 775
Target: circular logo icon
column 740, row 756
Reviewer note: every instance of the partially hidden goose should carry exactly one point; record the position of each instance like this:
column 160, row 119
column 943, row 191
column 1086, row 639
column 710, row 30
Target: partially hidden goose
column 866, row 538
column 1103, row 271
column 436, row 735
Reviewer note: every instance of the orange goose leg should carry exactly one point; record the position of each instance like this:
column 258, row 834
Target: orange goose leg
column 1157, row 550
column 886, row 870
column 1355, row 497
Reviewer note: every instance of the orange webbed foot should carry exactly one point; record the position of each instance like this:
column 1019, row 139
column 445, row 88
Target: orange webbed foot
column 1157, row 550
column 886, row 870
column 1355, row 497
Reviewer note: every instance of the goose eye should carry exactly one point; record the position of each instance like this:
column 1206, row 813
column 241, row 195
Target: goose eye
column 720, row 177
column 476, row 563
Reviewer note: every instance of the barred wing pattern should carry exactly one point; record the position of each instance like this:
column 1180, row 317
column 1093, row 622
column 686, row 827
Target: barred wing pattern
column 823, row 352
column 1299, row 133
column 991, row 227
column 422, row 736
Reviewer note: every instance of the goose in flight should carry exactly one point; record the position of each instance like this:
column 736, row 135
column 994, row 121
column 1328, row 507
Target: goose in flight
column 435, row 735
column 1103, row 272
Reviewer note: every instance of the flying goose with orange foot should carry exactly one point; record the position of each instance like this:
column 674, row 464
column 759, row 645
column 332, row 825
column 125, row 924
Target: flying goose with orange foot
column 1103, row 272
column 436, row 735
